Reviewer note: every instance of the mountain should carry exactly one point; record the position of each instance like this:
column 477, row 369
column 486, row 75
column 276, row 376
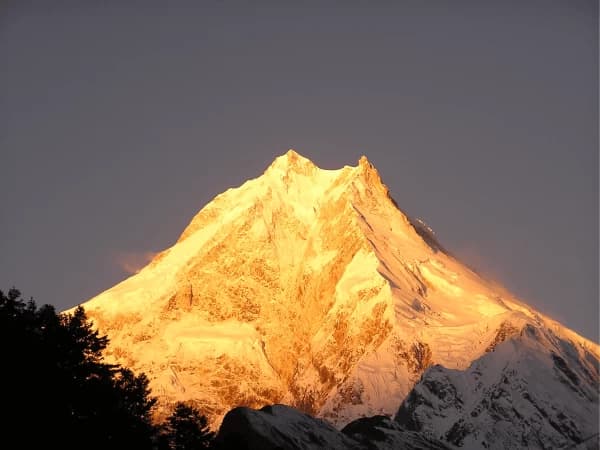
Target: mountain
column 532, row 390
column 311, row 288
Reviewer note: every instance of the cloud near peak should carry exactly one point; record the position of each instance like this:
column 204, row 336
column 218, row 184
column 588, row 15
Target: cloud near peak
column 131, row 262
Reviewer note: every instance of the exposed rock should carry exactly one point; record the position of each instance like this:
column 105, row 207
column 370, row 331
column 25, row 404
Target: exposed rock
column 532, row 392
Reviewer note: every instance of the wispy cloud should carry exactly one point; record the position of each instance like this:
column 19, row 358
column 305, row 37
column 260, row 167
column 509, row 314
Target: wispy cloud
column 478, row 261
column 132, row 262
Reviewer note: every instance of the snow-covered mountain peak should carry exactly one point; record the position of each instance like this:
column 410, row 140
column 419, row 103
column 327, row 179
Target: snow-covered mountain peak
column 532, row 389
column 370, row 176
column 366, row 167
column 292, row 161
column 309, row 287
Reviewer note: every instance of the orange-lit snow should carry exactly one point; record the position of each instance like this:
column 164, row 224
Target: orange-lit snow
column 308, row 287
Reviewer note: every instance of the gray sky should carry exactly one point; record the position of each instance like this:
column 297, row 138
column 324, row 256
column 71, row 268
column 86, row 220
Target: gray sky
column 120, row 120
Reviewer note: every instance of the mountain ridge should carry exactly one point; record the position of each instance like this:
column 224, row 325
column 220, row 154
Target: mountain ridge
column 308, row 287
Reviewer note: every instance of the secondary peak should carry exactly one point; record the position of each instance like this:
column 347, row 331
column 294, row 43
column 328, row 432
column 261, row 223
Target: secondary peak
column 364, row 162
column 369, row 173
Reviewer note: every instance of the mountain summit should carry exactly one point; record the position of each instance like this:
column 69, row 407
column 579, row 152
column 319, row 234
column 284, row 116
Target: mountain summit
column 310, row 287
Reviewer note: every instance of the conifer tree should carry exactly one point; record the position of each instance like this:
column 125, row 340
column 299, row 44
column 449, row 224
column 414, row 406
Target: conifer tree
column 56, row 388
column 187, row 429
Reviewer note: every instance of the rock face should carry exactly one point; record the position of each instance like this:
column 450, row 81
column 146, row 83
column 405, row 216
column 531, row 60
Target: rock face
column 535, row 390
column 278, row 427
column 310, row 287
column 281, row 427
column 532, row 390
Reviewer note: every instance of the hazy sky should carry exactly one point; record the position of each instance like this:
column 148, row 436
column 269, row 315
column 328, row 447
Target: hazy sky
column 120, row 120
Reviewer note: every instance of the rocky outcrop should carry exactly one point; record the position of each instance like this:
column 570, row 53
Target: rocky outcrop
column 279, row 427
column 534, row 390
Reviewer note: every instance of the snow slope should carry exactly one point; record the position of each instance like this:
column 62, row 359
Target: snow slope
column 307, row 287
column 531, row 390
column 534, row 390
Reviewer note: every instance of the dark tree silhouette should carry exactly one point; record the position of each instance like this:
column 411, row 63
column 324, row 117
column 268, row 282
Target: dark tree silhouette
column 187, row 429
column 57, row 391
